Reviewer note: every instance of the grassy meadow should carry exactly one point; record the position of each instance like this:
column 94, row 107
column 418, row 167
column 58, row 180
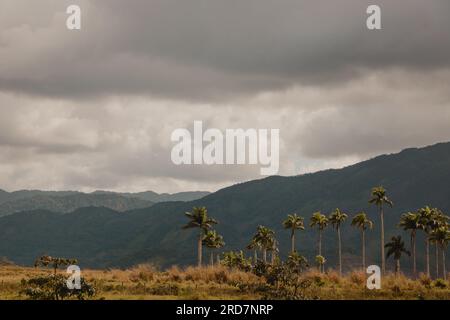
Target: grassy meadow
column 193, row 283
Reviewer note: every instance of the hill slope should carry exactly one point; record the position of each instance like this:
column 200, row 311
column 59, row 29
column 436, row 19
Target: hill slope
column 102, row 237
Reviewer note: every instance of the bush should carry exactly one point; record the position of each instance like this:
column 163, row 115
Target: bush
column 54, row 287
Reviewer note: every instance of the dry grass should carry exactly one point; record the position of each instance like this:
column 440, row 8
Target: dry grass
column 146, row 282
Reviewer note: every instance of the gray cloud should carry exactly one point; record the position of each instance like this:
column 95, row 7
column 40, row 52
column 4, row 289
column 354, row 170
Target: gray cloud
column 95, row 109
column 212, row 49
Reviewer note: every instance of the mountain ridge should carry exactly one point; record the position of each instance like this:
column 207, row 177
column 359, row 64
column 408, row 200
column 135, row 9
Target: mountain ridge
column 413, row 178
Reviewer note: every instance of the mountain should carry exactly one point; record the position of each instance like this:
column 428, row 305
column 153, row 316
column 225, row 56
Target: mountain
column 71, row 202
column 162, row 197
column 67, row 201
column 101, row 237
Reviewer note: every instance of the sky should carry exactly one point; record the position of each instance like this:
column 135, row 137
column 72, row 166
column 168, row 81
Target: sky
column 95, row 108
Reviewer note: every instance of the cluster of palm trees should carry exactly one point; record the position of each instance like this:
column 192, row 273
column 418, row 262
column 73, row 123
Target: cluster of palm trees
column 431, row 221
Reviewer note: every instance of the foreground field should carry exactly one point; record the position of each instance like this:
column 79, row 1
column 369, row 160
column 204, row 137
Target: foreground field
column 144, row 282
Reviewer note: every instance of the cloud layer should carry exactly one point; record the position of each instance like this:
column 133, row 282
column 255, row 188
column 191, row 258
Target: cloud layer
column 95, row 108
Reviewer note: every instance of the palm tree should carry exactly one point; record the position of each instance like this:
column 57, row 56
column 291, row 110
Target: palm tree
column 439, row 219
column 379, row 198
column 337, row 218
column 441, row 236
column 320, row 260
column 293, row 222
column 213, row 240
column 296, row 262
column 199, row 219
column 255, row 247
column 363, row 223
column 320, row 221
column 265, row 238
column 411, row 222
column 396, row 247
column 426, row 217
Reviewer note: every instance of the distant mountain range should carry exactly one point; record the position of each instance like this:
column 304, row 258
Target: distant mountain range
column 68, row 201
column 101, row 237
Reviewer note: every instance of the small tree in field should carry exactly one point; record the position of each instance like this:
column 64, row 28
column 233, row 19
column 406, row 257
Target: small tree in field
column 54, row 286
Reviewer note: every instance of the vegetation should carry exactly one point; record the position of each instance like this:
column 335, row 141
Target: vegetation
column 220, row 282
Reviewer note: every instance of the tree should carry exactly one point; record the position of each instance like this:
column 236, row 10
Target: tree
column 396, row 247
column 439, row 219
column 293, row 222
column 320, row 260
column 337, row 218
column 320, row 221
column 379, row 199
column 213, row 241
column 297, row 263
column 426, row 217
column 255, row 247
column 265, row 239
column 363, row 223
column 55, row 263
column 199, row 219
column 411, row 222
column 441, row 236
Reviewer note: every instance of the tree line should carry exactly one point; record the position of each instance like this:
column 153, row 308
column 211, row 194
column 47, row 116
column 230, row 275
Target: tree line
column 431, row 221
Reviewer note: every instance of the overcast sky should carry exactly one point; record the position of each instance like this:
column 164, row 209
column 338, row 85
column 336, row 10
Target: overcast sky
column 95, row 108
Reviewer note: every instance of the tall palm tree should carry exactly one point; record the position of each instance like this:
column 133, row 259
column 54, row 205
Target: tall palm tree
column 293, row 222
column 265, row 238
column 199, row 219
column 379, row 198
column 441, row 236
column 337, row 218
column 439, row 219
column 411, row 222
column 363, row 223
column 396, row 247
column 320, row 221
column 426, row 218
column 213, row 241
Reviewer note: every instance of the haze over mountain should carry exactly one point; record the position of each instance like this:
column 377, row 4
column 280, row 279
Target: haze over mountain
column 67, row 201
column 101, row 237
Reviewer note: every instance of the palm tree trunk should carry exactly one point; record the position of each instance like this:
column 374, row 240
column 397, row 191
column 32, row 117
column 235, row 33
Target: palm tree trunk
column 427, row 253
column 437, row 259
column 211, row 258
column 383, row 262
column 363, row 250
column 413, row 246
column 443, row 262
column 397, row 266
column 199, row 249
column 265, row 255
column 255, row 255
column 293, row 241
column 320, row 242
column 340, row 250
column 272, row 257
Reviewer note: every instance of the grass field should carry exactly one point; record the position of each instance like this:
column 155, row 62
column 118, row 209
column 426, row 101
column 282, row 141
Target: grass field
column 144, row 282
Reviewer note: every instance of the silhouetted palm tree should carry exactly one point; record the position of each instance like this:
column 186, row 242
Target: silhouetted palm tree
column 411, row 222
column 337, row 218
column 396, row 247
column 362, row 223
column 199, row 219
column 320, row 221
column 379, row 198
column 293, row 222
